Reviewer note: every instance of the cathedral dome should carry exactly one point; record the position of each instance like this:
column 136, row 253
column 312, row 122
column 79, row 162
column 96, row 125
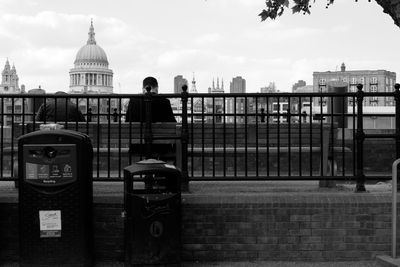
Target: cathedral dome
column 91, row 53
column 91, row 73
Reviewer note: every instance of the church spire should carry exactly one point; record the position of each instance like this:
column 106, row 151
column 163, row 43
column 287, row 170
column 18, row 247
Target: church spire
column 91, row 39
column 7, row 66
column 193, row 89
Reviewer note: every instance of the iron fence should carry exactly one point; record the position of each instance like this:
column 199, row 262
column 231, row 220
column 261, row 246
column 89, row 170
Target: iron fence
column 252, row 136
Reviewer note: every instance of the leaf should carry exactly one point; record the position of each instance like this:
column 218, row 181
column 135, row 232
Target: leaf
column 296, row 9
column 263, row 15
column 286, row 3
column 280, row 11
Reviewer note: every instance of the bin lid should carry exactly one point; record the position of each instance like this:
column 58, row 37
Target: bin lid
column 151, row 166
column 151, row 161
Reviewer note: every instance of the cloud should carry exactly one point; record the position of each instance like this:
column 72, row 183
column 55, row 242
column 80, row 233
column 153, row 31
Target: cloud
column 209, row 38
column 184, row 57
column 49, row 28
column 278, row 33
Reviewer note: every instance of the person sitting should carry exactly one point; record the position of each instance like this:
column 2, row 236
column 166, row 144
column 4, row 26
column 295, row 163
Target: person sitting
column 59, row 109
column 161, row 111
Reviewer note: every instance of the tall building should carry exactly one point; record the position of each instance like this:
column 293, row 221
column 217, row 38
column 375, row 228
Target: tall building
column 271, row 88
column 9, row 80
column 91, row 73
column 193, row 88
column 372, row 81
column 300, row 83
column 216, row 89
column 238, row 85
column 215, row 106
column 198, row 104
column 236, row 105
column 179, row 81
column 9, row 85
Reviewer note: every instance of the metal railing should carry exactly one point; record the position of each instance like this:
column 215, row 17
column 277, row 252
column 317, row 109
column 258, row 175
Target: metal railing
column 253, row 136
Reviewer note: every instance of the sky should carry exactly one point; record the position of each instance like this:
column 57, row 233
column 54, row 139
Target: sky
column 207, row 38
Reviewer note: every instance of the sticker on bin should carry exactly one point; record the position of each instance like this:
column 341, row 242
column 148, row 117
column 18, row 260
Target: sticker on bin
column 50, row 223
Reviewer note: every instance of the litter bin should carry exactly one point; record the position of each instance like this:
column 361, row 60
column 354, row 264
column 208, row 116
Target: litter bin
column 55, row 198
column 152, row 202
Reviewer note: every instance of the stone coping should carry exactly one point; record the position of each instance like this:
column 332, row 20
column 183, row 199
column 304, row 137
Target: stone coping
column 279, row 192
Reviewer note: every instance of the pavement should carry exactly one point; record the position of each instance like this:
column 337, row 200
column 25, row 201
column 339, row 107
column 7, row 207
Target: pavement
column 250, row 264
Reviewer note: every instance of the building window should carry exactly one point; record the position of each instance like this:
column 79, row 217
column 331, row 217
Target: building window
column 362, row 80
column 354, row 80
column 344, row 80
column 374, row 88
column 353, row 88
column 5, row 88
column 373, row 101
column 374, row 80
column 322, row 81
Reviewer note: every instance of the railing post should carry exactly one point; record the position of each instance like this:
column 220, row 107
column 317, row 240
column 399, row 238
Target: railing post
column 89, row 114
column 185, row 138
column 394, row 207
column 397, row 100
column 148, row 138
column 360, row 136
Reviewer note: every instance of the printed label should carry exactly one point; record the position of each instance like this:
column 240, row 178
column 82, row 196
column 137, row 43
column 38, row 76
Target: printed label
column 50, row 223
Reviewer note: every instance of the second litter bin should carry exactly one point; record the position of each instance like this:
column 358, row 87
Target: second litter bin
column 152, row 201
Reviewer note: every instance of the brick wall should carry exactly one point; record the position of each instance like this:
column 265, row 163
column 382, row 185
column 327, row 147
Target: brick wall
column 289, row 226
column 292, row 227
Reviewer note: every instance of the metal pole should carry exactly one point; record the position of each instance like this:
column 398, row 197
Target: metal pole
column 185, row 138
column 397, row 119
column 360, row 187
column 148, row 136
column 394, row 206
column 394, row 172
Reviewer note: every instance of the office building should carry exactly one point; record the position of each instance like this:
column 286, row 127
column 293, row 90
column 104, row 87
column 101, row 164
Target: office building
column 372, row 81
column 179, row 81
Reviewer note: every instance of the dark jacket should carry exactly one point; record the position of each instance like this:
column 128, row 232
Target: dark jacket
column 64, row 111
column 161, row 110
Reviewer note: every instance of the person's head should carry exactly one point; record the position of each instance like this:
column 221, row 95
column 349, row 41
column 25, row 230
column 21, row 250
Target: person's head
column 61, row 93
column 152, row 82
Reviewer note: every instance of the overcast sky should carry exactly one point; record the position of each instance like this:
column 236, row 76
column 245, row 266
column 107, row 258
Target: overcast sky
column 212, row 38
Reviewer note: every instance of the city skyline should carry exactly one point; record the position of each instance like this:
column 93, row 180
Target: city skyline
column 218, row 38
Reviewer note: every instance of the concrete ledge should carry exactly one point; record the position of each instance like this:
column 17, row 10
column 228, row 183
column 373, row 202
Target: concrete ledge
column 387, row 261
